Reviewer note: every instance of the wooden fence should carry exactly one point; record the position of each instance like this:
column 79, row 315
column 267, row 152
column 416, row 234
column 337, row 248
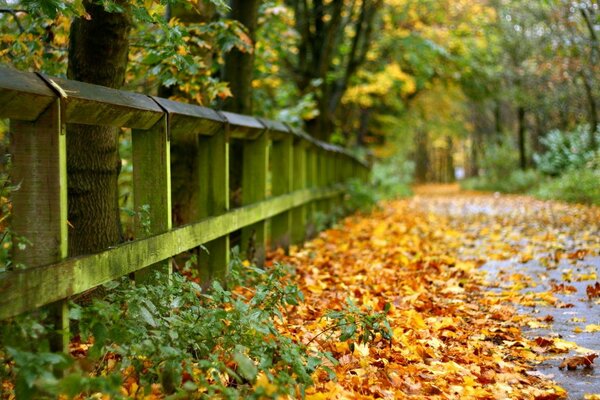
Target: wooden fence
column 306, row 176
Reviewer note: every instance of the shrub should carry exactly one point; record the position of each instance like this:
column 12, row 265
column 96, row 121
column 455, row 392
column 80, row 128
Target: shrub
column 518, row 181
column 567, row 150
column 500, row 161
column 575, row 186
column 392, row 178
column 174, row 336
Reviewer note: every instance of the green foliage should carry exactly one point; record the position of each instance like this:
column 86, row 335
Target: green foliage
column 24, row 342
column 574, row 186
column 357, row 325
column 500, row 161
column 360, row 196
column 162, row 52
column 192, row 342
column 567, row 150
column 518, row 181
column 392, row 178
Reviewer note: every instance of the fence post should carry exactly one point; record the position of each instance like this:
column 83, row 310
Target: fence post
column 311, row 182
column 299, row 183
column 322, row 179
column 254, row 189
column 152, row 187
column 213, row 159
column 39, row 165
column 330, row 173
column 282, row 176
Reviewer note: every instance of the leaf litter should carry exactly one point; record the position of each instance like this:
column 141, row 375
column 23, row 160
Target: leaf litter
column 455, row 332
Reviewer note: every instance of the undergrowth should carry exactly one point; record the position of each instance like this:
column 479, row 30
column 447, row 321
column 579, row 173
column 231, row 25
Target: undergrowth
column 177, row 340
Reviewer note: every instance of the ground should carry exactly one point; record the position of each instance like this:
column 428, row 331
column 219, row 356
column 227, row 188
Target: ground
column 486, row 295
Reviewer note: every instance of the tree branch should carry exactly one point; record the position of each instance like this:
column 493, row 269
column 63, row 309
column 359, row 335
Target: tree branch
column 14, row 15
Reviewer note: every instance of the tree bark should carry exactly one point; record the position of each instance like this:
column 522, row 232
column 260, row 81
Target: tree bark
column 239, row 66
column 98, row 51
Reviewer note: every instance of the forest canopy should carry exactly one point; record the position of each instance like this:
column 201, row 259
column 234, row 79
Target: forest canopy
column 444, row 82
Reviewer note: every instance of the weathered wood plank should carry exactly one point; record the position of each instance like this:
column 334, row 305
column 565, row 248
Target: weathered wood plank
column 277, row 130
column 282, row 166
column 188, row 120
column 98, row 105
column 254, row 189
column 32, row 288
column 152, row 188
column 23, row 95
column 243, row 126
column 39, row 218
column 213, row 199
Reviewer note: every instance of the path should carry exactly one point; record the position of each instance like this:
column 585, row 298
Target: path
column 480, row 290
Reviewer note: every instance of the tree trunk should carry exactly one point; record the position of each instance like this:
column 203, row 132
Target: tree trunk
column 98, row 52
column 363, row 129
column 239, row 66
column 593, row 110
column 421, row 156
column 449, row 175
column 498, row 120
column 184, row 153
column 521, row 137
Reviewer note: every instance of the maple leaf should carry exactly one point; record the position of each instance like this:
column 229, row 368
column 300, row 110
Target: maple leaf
column 593, row 291
column 576, row 361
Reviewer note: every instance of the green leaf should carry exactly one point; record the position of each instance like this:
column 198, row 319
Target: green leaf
column 147, row 317
column 246, row 366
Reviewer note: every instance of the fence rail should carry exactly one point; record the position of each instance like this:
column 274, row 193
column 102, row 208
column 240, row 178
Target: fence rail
column 306, row 176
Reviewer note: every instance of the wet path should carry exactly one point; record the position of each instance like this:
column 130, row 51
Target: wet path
column 542, row 257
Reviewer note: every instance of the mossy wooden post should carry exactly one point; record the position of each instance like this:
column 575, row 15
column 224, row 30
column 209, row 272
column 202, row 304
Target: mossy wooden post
column 322, row 178
column 330, row 173
column 39, row 217
column 152, row 188
column 299, row 183
column 340, row 158
column 214, row 200
column 311, row 182
column 254, row 189
column 282, row 164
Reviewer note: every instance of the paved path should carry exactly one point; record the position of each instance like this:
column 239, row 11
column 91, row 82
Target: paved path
column 485, row 295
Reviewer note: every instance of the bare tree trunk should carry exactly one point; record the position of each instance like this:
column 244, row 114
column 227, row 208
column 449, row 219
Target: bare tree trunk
column 449, row 162
column 98, row 52
column 521, row 137
column 593, row 110
column 421, row 156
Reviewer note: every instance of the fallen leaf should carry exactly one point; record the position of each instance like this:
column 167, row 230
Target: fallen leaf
column 576, row 361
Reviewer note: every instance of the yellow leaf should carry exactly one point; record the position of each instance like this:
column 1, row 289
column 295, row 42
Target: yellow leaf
column 592, row 328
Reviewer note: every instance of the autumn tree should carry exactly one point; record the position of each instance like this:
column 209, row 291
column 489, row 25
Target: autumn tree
column 334, row 38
